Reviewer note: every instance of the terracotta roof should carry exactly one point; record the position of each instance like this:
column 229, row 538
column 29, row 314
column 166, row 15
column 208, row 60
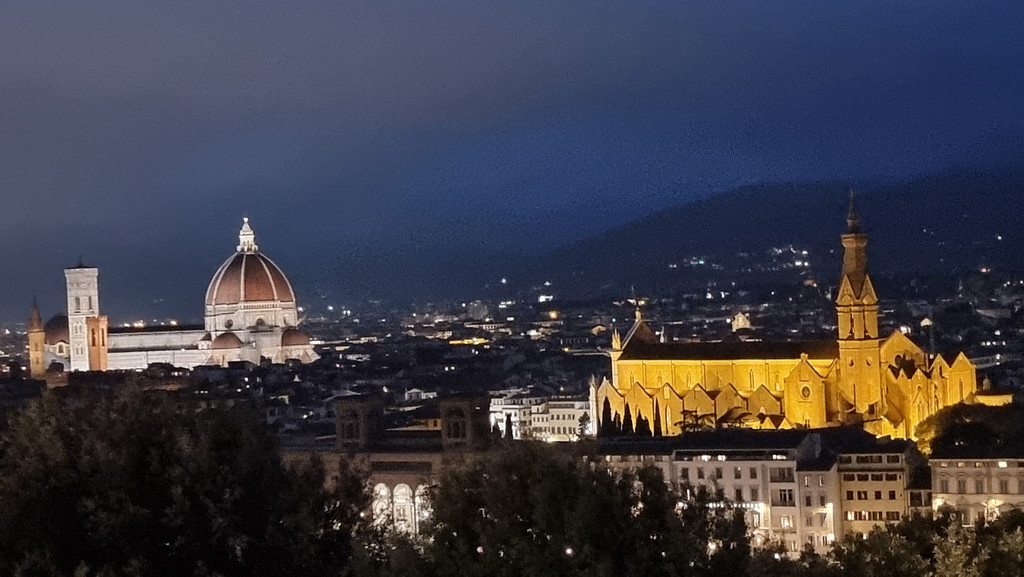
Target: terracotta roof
column 248, row 277
column 742, row 350
column 56, row 330
column 227, row 340
column 294, row 338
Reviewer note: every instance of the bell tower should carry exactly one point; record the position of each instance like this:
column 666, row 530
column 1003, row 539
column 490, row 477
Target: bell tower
column 857, row 311
column 86, row 327
column 36, row 344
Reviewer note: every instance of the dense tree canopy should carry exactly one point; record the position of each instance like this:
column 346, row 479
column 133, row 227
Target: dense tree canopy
column 528, row 509
column 136, row 485
column 973, row 430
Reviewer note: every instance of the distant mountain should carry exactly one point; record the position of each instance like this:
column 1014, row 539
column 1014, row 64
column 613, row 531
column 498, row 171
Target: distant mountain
column 946, row 224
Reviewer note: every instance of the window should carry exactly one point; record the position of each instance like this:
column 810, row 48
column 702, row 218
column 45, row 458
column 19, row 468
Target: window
column 737, row 473
column 1020, row 486
column 892, row 515
column 845, row 459
column 862, row 476
column 878, row 495
column 821, row 500
column 739, row 493
column 753, row 472
column 979, row 486
column 961, row 486
column 849, row 477
column 807, row 500
column 781, row 475
column 876, row 515
column 892, row 495
column 809, row 522
column 849, row 495
column 718, row 472
column 821, row 481
column 944, row 485
column 876, row 476
column 786, row 521
column 684, row 474
column 892, row 477
column 700, row 472
column 785, row 498
column 755, row 494
column 862, row 495
column 892, row 459
column 807, row 481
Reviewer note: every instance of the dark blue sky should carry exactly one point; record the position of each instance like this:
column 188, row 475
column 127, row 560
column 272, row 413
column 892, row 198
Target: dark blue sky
column 138, row 133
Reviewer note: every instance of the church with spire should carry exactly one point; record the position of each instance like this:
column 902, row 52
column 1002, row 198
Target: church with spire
column 886, row 384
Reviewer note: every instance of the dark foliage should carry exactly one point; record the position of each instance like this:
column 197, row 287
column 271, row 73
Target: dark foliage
column 137, row 486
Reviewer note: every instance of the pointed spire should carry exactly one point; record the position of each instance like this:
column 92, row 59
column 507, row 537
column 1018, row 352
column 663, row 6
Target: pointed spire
column 852, row 218
column 35, row 322
column 616, row 340
column 246, row 238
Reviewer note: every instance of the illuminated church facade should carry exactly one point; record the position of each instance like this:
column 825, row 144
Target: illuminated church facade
column 250, row 313
column 887, row 384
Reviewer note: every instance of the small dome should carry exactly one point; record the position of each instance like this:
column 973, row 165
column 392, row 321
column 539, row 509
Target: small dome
column 294, row 338
column 56, row 330
column 226, row 340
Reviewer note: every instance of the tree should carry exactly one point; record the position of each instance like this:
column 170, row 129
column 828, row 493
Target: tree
column 643, row 426
column 657, row 419
column 607, row 422
column 529, row 509
column 882, row 553
column 137, row 485
column 957, row 553
column 508, row 426
column 584, row 425
column 627, row 422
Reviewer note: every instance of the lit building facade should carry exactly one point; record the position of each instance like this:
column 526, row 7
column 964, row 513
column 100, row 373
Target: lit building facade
column 542, row 417
column 874, row 487
column 980, row 489
column 889, row 384
column 785, row 482
column 250, row 313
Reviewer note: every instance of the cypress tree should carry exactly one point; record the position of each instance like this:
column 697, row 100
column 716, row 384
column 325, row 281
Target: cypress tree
column 643, row 425
column 607, row 425
column 657, row 419
column 508, row 425
column 627, row 422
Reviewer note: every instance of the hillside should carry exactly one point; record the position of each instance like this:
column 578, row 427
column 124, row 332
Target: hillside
column 947, row 224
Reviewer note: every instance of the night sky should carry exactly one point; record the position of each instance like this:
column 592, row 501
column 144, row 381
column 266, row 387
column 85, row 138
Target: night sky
column 137, row 134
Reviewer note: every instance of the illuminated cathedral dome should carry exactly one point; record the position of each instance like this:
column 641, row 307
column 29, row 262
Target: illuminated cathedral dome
column 249, row 290
column 248, row 276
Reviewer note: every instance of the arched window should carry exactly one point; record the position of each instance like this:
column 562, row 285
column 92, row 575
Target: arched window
column 381, row 504
column 403, row 508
